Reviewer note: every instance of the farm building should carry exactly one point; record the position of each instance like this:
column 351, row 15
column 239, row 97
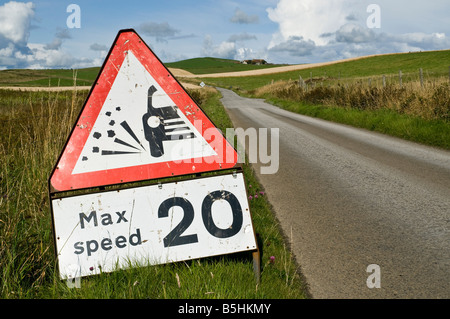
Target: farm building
column 254, row 61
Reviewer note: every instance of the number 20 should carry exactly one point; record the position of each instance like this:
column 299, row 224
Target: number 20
column 175, row 237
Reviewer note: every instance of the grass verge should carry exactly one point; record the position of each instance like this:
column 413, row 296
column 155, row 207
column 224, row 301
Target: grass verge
column 413, row 128
column 34, row 127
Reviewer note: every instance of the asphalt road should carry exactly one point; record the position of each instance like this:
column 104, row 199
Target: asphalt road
column 348, row 198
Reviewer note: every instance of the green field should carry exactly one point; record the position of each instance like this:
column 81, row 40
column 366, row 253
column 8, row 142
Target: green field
column 215, row 65
column 87, row 76
column 46, row 78
column 435, row 64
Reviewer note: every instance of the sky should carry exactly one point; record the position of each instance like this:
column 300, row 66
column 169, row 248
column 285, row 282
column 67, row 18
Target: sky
column 76, row 34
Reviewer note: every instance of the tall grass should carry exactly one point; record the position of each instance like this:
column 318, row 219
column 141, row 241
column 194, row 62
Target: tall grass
column 431, row 102
column 33, row 129
column 34, row 126
column 414, row 111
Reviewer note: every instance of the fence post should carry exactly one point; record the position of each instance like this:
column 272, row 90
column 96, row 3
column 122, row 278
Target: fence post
column 421, row 76
column 301, row 83
column 384, row 81
column 400, row 77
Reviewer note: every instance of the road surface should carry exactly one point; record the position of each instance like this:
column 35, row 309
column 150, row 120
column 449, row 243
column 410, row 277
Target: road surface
column 348, row 198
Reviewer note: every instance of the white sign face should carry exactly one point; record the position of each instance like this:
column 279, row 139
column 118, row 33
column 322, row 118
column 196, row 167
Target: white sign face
column 152, row 225
column 138, row 123
column 119, row 138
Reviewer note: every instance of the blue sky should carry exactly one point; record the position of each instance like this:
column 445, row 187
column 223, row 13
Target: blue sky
column 35, row 34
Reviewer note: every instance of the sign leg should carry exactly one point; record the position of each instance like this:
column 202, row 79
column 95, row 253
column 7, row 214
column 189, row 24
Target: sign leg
column 257, row 265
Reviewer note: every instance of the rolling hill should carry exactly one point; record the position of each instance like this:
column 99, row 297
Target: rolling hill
column 434, row 63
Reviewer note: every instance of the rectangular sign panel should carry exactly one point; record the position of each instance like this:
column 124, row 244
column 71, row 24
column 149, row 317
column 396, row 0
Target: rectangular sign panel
column 151, row 225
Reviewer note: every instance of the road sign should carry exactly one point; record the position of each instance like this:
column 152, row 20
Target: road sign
column 138, row 123
column 151, row 225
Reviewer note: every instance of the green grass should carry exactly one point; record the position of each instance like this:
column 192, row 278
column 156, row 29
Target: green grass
column 215, row 65
column 429, row 132
column 87, row 76
column 33, row 130
column 51, row 77
column 435, row 64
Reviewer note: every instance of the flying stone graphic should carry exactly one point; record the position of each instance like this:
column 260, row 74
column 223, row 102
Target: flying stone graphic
column 160, row 124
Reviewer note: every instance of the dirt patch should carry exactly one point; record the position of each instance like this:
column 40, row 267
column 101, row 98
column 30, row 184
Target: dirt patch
column 190, row 86
column 180, row 72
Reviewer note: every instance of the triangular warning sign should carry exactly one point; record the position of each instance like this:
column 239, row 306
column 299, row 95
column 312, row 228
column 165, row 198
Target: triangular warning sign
column 138, row 123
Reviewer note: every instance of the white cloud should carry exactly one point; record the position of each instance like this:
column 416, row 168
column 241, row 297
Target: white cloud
column 60, row 36
column 241, row 17
column 375, row 41
column 158, row 30
column 319, row 30
column 308, row 19
column 353, row 33
column 15, row 20
column 98, row 47
column 244, row 54
column 229, row 49
column 43, row 57
column 295, row 46
column 225, row 50
column 241, row 37
column 423, row 41
column 17, row 52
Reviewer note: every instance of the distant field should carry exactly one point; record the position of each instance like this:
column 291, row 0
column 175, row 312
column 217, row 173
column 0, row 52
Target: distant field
column 87, row 76
column 214, row 65
column 435, row 64
column 365, row 93
column 51, row 77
